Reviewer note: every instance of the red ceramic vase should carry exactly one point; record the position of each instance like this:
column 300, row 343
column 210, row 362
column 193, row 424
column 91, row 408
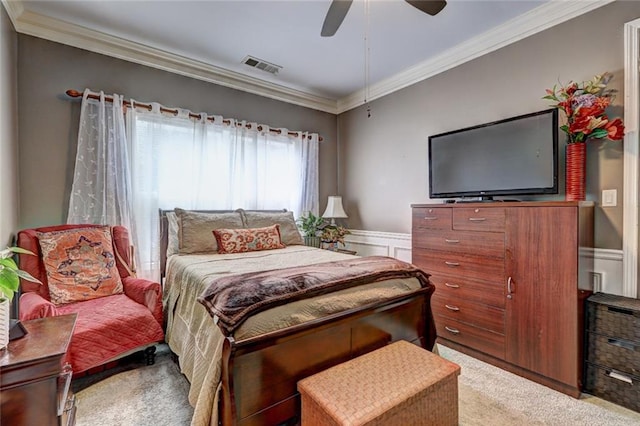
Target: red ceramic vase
column 576, row 155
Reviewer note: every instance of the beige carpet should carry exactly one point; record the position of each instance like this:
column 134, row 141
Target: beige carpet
column 157, row 395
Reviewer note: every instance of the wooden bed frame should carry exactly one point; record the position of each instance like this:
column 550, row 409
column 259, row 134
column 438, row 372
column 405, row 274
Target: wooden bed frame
column 260, row 374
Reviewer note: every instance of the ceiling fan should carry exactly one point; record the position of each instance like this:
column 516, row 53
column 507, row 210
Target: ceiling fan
column 339, row 8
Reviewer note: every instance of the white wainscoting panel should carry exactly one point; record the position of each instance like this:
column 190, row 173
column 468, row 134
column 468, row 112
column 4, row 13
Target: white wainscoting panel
column 606, row 276
column 372, row 243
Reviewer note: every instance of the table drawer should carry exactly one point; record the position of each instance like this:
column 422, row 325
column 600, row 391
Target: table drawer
column 479, row 219
column 487, row 292
column 620, row 354
column 476, row 314
column 489, row 244
column 476, row 267
column 609, row 384
column 431, row 218
column 468, row 335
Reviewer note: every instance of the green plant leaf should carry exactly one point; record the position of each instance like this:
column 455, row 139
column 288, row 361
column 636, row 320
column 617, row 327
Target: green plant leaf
column 27, row 276
column 9, row 282
column 599, row 133
column 9, row 263
column 21, row 250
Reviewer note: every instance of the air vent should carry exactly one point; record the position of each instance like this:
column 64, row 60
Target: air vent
column 261, row 65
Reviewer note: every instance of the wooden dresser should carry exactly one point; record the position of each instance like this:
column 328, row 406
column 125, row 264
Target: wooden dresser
column 34, row 383
column 506, row 277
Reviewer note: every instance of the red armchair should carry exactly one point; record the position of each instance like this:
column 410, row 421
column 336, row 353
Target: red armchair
column 107, row 328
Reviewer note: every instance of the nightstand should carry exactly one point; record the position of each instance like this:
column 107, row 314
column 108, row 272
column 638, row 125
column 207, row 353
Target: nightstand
column 33, row 382
column 612, row 365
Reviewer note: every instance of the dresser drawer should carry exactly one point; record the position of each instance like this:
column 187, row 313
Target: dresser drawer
column 479, row 219
column 464, row 266
column 613, row 386
column 476, row 314
column 431, row 218
column 485, row 292
column 620, row 354
column 468, row 335
column 614, row 316
column 489, row 244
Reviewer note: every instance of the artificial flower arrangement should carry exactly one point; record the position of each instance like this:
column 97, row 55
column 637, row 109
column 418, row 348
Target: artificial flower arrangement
column 333, row 234
column 584, row 105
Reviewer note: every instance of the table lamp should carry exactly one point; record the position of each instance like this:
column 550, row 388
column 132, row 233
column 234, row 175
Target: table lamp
column 334, row 209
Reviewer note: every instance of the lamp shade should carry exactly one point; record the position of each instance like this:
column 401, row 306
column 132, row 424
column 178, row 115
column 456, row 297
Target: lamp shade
column 334, row 208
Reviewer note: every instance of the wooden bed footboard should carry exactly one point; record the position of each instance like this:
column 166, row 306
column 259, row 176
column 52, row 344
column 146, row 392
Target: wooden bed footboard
column 260, row 375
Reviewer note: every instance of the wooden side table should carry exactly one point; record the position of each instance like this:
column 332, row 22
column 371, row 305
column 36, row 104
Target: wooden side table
column 34, row 385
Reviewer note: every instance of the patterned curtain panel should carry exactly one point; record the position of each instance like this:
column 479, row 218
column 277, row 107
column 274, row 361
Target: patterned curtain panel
column 101, row 190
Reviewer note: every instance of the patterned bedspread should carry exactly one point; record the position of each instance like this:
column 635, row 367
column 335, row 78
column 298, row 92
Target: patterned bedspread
column 232, row 299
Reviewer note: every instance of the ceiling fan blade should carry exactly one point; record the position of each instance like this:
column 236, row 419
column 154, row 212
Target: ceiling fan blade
column 430, row 7
column 337, row 11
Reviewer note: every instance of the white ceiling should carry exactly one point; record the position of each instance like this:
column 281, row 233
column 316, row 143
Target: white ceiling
column 209, row 39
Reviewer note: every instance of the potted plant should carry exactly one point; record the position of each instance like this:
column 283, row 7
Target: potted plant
column 311, row 226
column 10, row 276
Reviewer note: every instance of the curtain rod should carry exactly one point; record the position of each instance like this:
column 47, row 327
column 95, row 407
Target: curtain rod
column 127, row 103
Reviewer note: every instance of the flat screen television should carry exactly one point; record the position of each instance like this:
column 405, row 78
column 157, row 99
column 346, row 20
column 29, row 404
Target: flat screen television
column 515, row 156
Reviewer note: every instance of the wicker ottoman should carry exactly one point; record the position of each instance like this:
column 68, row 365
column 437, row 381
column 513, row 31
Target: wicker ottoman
column 399, row 384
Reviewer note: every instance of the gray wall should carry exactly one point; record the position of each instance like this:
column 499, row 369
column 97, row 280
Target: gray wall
column 383, row 159
column 48, row 120
column 8, row 130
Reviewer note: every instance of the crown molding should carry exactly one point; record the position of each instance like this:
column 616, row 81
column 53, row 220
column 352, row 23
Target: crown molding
column 549, row 14
column 539, row 19
column 41, row 26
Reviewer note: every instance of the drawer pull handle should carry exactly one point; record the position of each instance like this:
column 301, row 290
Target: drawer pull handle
column 619, row 376
column 446, row 240
column 452, row 330
column 620, row 310
column 430, row 217
column 452, row 308
column 477, row 219
column 452, row 264
column 452, row 285
column 622, row 344
column 509, row 288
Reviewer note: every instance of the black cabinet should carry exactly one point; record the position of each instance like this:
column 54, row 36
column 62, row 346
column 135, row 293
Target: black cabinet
column 612, row 366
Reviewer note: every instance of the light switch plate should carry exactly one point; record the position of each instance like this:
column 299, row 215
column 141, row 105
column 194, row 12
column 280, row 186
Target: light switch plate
column 609, row 197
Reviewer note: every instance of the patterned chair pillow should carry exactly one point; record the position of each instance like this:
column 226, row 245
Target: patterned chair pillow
column 248, row 239
column 80, row 264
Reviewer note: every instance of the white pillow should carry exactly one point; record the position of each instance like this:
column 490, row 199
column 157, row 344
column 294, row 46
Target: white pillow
column 173, row 243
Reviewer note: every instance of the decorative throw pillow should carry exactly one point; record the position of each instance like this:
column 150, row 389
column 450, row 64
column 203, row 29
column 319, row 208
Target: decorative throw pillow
column 80, row 264
column 248, row 239
column 288, row 229
column 194, row 229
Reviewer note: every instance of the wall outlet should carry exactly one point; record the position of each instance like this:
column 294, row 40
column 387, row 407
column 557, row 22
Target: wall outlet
column 609, row 197
column 596, row 281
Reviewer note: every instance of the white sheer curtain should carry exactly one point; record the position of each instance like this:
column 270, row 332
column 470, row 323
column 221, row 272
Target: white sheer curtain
column 178, row 161
column 101, row 189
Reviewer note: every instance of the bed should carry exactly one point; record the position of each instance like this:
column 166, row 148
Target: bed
column 248, row 375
